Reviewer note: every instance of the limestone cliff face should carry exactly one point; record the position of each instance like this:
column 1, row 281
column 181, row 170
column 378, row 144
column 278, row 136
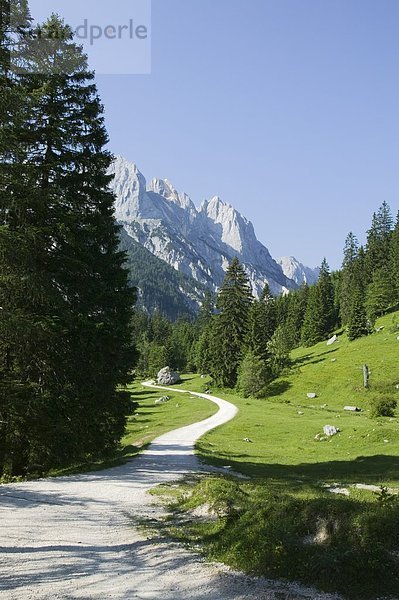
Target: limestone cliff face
column 199, row 242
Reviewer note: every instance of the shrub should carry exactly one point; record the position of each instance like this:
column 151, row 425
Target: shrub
column 383, row 406
column 253, row 376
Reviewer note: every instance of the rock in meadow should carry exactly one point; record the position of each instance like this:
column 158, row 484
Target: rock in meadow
column 162, row 400
column 332, row 340
column 330, row 430
column 167, row 377
column 311, row 395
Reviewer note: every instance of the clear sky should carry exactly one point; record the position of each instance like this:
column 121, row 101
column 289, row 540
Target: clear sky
column 287, row 109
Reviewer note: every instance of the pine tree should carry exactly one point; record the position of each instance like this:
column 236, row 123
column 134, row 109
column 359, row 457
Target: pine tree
column 206, row 311
column 379, row 295
column 313, row 325
column 358, row 325
column 203, row 350
column 66, row 300
column 298, row 301
column 394, row 262
column 378, row 241
column 320, row 318
column 347, row 283
column 279, row 352
column 30, row 334
column 231, row 325
column 253, row 376
column 262, row 324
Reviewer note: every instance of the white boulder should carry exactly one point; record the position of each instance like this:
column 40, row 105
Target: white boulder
column 167, row 377
column 162, row 400
column 332, row 340
column 330, row 430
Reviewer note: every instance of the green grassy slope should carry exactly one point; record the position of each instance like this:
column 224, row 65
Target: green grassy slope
column 283, row 522
column 283, row 442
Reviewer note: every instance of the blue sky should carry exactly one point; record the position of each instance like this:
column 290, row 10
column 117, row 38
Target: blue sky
column 287, row 109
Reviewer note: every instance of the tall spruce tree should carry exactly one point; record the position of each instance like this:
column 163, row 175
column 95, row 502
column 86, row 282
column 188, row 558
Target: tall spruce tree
column 67, row 303
column 231, row 325
column 320, row 317
column 358, row 324
column 380, row 294
column 348, row 285
column 30, row 402
column 292, row 327
column 394, row 262
column 262, row 323
column 378, row 241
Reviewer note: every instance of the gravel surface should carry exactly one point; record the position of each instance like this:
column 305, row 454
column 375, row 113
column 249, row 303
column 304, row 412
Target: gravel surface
column 74, row 537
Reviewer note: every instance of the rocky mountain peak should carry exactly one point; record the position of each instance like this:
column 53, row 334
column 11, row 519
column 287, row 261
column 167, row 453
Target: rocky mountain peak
column 198, row 243
column 164, row 188
column 298, row 272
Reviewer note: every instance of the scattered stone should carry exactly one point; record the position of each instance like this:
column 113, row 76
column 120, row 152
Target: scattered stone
column 203, row 376
column 333, row 360
column 335, row 489
column 167, row 377
column 380, row 328
column 332, row 340
column 300, row 412
column 247, row 440
column 397, row 337
column 311, row 395
column 323, row 406
column 162, row 400
column 353, row 408
column 320, row 437
column 397, row 386
column 330, row 430
column 386, row 441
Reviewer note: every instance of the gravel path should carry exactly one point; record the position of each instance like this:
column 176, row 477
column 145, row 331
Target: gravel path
column 74, row 537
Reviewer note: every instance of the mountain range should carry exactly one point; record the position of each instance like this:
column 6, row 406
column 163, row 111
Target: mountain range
column 173, row 244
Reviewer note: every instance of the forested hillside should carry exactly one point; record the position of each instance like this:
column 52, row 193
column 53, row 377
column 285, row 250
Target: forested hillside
column 160, row 287
column 245, row 343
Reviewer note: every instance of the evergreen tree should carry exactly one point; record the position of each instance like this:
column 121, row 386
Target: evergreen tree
column 348, row 285
column 320, row 318
column 203, row 351
column 378, row 241
column 261, row 324
column 30, row 399
column 279, row 352
column 253, row 376
column 298, row 301
column 66, row 301
column 357, row 323
column 231, row 325
column 206, row 311
column 379, row 294
column 394, row 262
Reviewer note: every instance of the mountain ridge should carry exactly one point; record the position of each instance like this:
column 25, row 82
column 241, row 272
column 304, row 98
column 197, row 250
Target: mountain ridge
column 199, row 242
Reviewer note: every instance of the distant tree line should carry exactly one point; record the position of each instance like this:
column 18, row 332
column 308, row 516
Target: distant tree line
column 245, row 343
column 65, row 301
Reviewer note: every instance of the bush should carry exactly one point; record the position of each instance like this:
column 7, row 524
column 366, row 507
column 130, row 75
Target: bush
column 384, row 406
column 253, row 376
